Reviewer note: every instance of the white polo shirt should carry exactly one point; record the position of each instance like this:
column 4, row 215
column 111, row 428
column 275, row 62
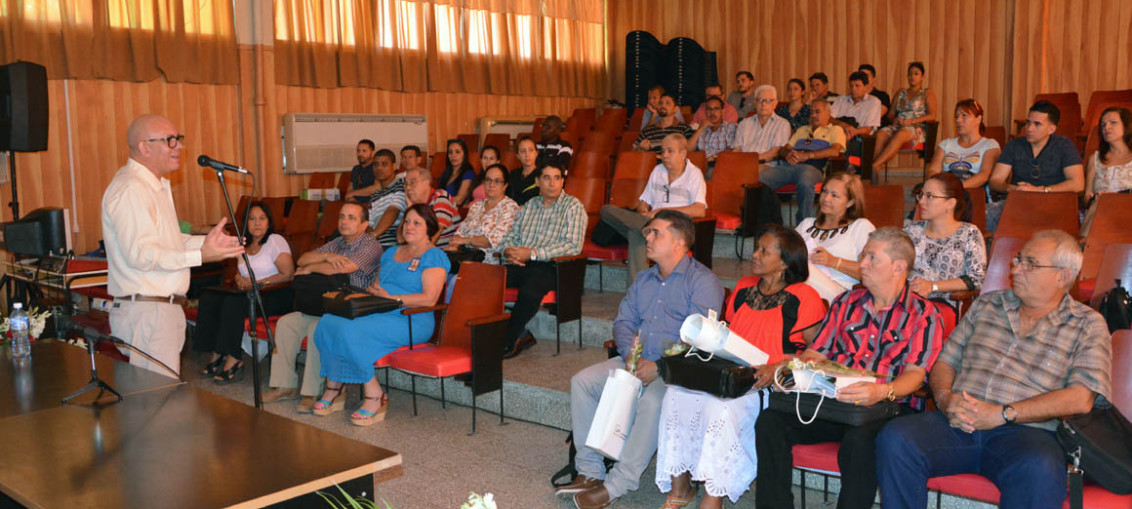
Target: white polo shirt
column 866, row 111
column 689, row 188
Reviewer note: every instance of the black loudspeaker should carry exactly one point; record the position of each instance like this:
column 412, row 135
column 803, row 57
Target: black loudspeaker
column 23, row 107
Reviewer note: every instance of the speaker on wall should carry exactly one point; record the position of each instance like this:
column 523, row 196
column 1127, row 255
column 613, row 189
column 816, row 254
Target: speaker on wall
column 23, row 107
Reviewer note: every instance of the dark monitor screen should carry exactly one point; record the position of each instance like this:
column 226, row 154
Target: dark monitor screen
column 39, row 233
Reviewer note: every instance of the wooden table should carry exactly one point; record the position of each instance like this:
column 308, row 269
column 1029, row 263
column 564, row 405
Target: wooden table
column 57, row 369
column 169, row 447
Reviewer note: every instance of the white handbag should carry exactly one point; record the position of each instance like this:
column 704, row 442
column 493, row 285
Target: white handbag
column 614, row 416
column 708, row 334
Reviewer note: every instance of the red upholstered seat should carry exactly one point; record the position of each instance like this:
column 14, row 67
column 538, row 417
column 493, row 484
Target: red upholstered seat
column 594, row 251
column 821, row 457
column 260, row 332
column 727, row 221
column 1085, row 289
column 510, row 295
column 909, row 146
column 382, row 362
column 436, row 361
column 966, row 485
column 1096, row 497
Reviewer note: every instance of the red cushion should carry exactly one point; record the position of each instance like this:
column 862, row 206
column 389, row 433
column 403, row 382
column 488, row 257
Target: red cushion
column 966, row 485
column 727, row 221
column 436, row 361
column 191, row 315
column 1098, row 497
column 821, row 457
column 791, row 188
column 260, row 333
column 510, row 295
column 384, row 361
column 910, row 146
column 614, row 253
column 855, row 160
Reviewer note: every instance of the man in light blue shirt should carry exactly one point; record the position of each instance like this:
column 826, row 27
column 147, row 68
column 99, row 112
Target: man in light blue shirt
column 652, row 311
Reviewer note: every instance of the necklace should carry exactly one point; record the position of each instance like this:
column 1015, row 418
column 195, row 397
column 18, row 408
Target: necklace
column 822, row 234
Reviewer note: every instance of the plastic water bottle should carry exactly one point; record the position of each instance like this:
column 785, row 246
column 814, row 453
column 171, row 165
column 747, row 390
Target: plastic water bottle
column 18, row 325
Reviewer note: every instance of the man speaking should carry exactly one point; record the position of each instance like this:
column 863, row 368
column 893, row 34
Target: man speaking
column 148, row 256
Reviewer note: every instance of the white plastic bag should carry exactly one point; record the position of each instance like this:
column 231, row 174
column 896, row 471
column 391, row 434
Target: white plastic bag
column 614, row 416
column 712, row 336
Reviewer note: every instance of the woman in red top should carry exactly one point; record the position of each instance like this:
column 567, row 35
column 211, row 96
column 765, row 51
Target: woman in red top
column 705, row 438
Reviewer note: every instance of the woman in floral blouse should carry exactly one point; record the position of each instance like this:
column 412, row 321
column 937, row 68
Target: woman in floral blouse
column 490, row 219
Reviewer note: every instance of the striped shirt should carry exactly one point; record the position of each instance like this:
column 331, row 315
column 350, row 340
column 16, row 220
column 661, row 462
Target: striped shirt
column 392, row 195
column 1069, row 346
column 909, row 332
column 714, row 141
column 753, row 136
column 656, row 134
column 447, row 214
column 557, row 230
column 365, row 252
column 557, row 154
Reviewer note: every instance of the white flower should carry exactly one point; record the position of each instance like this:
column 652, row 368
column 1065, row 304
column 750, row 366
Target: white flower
column 477, row 502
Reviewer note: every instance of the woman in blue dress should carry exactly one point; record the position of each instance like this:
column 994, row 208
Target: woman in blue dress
column 412, row 273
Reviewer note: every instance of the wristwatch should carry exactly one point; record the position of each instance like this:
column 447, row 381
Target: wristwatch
column 534, row 255
column 935, row 287
column 1009, row 414
column 891, row 393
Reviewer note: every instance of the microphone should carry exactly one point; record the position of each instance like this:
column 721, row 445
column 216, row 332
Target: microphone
column 208, row 162
column 91, row 334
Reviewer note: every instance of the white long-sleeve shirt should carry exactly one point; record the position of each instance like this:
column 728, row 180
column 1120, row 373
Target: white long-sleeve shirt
column 146, row 252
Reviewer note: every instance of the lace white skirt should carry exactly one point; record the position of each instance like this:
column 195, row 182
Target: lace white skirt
column 712, row 438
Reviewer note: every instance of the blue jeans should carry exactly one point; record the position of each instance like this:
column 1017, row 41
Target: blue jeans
column 803, row 176
column 1026, row 463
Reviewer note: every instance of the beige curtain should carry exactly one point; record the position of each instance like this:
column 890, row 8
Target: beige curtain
column 128, row 40
column 472, row 46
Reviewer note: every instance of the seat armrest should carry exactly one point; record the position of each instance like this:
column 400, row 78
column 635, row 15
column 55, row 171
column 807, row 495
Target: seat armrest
column 566, row 259
column 476, row 322
column 488, row 336
column 423, row 309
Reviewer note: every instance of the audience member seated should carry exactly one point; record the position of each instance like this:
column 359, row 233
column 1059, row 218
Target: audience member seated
column 666, row 124
column 851, row 335
column 489, row 219
column 419, row 190
column 674, row 184
column 523, row 182
column 361, row 175
column 715, row 135
column 764, row 132
column 652, row 109
column 221, row 315
column 552, row 149
column 871, row 85
column 796, row 109
column 804, row 158
column 969, row 156
column 1018, row 361
column 711, row 440
column 742, row 99
column 857, row 112
column 650, row 315
column 1046, row 162
column 819, row 88
column 730, row 114
column 951, row 254
column 489, row 156
column 387, row 200
column 912, row 107
column 413, row 273
column 551, row 226
column 1110, row 168
column 353, row 253
column 382, row 172
column 459, row 174
column 410, row 158
column 836, row 236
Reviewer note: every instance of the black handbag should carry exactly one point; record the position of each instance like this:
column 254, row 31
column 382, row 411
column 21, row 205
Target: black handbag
column 309, row 288
column 466, row 253
column 353, row 303
column 828, row 409
column 1116, row 308
column 719, row 377
column 1099, row 446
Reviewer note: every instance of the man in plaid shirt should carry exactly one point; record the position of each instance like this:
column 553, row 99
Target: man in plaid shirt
column 547, row 227
column 1018, row 361
column 886, row 328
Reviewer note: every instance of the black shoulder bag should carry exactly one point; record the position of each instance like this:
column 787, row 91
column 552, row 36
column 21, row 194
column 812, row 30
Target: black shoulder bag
column 1098, row 446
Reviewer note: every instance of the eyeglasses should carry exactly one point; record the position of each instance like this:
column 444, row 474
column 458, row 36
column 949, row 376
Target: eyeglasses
column 765, row 101
column 1027, row 264
column 172, row 140
column 929, row 196
column 1035, row 169
column 497, row 182
column 667, row 193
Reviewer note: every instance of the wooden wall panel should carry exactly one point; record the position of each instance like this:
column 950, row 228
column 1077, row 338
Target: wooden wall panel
column 1070, row 46
column 961, row 42
column 219, row 121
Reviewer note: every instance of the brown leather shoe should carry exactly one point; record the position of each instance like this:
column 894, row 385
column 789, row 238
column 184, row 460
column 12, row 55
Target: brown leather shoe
column 524, row 342
column 279, row 394
column 593, row 498
column 306, row 406
column 581, row 483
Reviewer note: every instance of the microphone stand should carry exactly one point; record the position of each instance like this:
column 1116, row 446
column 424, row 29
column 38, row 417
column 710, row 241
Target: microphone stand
column 255, row 301
column 95, row 382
